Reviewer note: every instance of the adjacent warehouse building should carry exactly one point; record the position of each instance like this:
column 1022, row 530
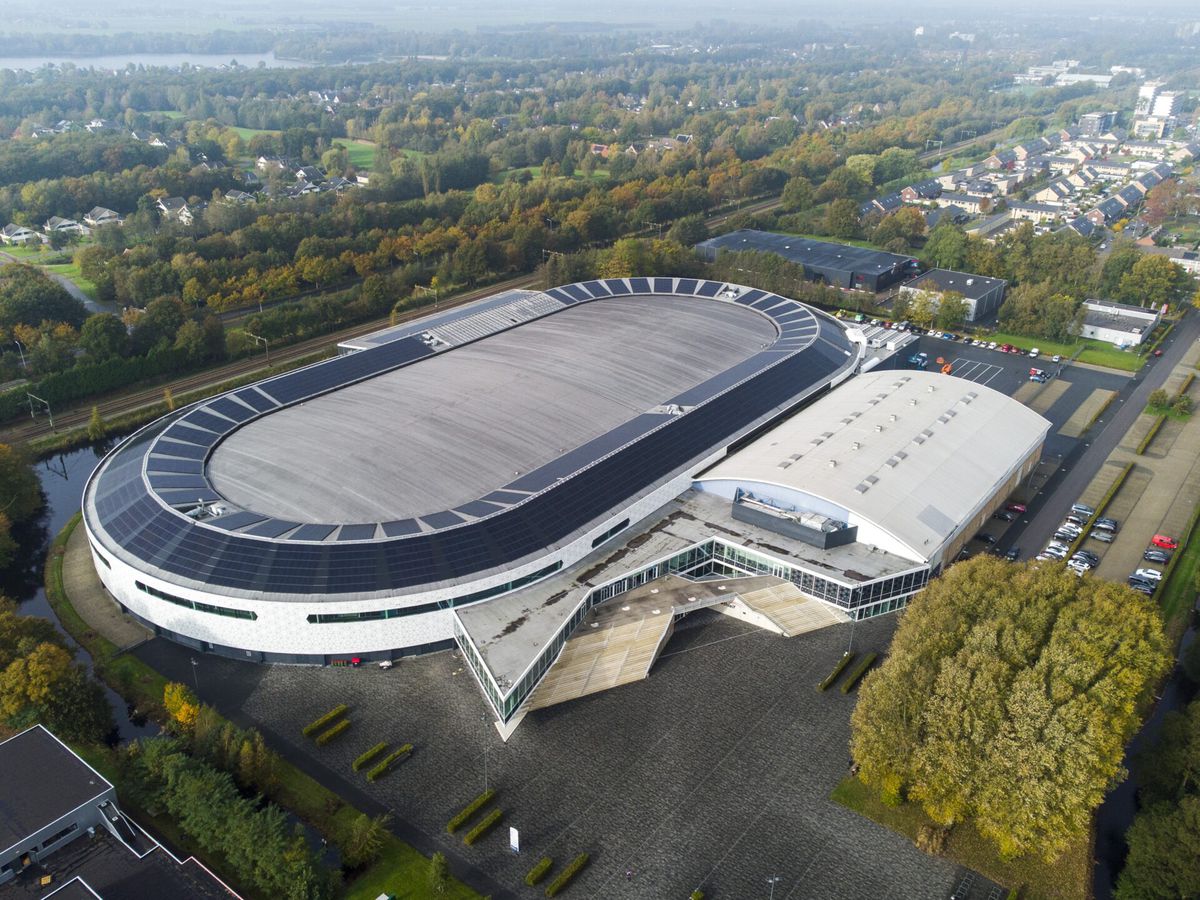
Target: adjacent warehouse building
column 983, row 295
column 841, row 265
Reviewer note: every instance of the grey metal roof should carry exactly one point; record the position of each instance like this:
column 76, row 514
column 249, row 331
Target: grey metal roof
column 970, row 286
column 432, row 437
column 809, row 252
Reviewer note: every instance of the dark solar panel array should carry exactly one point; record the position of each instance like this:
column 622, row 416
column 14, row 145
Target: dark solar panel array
column 587, row 482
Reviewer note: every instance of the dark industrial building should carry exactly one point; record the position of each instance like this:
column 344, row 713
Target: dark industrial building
column 983, row 295
column 841, row 265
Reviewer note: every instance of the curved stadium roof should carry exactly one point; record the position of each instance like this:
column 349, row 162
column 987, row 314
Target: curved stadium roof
column 434, row 458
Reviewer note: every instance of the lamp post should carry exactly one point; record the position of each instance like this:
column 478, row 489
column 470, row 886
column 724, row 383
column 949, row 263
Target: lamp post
column 772, row 881
column 195, row 677
column 486, row 750
column 266, row 344
column 21, row 353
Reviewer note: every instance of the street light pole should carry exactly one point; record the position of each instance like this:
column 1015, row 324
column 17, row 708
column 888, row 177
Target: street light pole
column 772, row 881
column 21, row 353
column 266, row 345
column 195, row 677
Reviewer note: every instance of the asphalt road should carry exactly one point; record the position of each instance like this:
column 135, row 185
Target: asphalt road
column 1079, row 467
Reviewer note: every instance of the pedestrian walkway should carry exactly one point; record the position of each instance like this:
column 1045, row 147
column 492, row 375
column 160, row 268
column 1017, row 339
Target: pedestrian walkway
column 90, row 599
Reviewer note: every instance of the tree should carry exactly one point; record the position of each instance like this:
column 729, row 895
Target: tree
column 181, row 705
column 841, row 218
column 364, row 841
column 946, row 247
column 1037, row 310
column 28, row 296
column 923, row 308
column 96, row 428
column 1154, row 280
column 20, row 490
column 104, row 336
column 439, row 874
column 952, row 310
column 797, row 194
column 1159, row 399
column 169, row 399
column 1007, row 699
column 1118, row 264
column 1164, row 853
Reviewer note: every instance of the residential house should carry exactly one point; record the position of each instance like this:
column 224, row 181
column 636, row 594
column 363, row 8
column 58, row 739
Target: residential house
column 239, row 197
column 175, row 209
column 1083, row 177
column 1004, row 159
column 929, row 189
column 965, row 202
column 1112, row 169
column 1082, row 226
column 978, row 188
column 881, row 205
column 1035, row 212
column 99, row 215
column 955, row 214
column 1059, row 191
column 59, row 225
column 19, row 235
column 1106, row 212
column 314, row 174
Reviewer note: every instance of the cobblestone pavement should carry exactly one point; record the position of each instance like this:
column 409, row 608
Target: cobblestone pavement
column 715, row 772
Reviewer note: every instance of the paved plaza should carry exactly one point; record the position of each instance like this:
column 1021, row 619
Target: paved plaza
column 715, row 772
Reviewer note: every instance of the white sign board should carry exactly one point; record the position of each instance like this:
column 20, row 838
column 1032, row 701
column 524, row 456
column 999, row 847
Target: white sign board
column 514, row 840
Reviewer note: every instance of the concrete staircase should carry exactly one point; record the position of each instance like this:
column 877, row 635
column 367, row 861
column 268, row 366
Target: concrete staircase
column 789, row 610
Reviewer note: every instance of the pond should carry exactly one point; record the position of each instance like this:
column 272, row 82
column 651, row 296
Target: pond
column 63, row 478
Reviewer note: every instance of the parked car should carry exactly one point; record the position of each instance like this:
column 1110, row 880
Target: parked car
column 1081, row 509
column 1075, row 520
column 1089, row 556
column 1105, row 526
column 1107, row 520
column 1016, row 507
column 1150, row 574
column 1155, row 555
column 1142, row 587
column 1104, row 537
column 985, row 537
column 1065, row 535
column 1056, row 358
column 1156, row 353
column 1012, row 554
column 1003, row 515
column 1034, row 352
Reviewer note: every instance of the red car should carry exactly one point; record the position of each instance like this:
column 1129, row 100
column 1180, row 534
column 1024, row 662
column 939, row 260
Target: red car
column 1016, row 507
column 1157, row 353
column 1161, row 540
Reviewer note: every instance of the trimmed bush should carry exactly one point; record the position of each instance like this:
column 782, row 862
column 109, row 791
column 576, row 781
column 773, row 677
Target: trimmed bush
column 326, row 736
column 313, row 727
column 565, row 876
column 395, row 756
column 696, row 895
column 1141, row 448
column 538, row 872
column 469, row 810
column 359, row 763
column 485, row 825
column 859, row 670
column 829, row 679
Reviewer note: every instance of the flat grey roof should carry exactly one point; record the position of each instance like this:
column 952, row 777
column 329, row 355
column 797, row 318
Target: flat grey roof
column 810, row 252
column 970, row 286
column 40, row 782
column 460, row 424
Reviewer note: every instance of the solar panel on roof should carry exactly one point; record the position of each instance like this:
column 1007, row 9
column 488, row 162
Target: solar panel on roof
column 617, row 286
column 202, row 419
column 313, row 532
column 271, row 528
column 255, row 398
column 401, row 527
column 686, row 286
column 236, row 520
column 664, row 285
column 576, row 292
column 157, row 463
column 597, row 288
column 158, row 480
column 477, row 509
column 174, row 448
column 181, row 432
column 357, row 532
column 441, row 519
column 640, row 285
column 230, row 409
column 708, row 288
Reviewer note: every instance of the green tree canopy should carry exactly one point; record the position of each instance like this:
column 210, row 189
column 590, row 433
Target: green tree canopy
column 946, row 247
column 28, row 296
column 1007, row 699
column 1154, row 280
column 1039, row 310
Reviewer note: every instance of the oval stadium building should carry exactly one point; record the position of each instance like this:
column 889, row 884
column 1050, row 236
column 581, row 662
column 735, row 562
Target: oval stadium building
column 344, row 509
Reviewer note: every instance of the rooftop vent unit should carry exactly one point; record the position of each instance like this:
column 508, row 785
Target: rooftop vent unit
column 855, row 445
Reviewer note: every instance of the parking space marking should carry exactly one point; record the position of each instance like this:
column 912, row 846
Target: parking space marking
column 973, row 370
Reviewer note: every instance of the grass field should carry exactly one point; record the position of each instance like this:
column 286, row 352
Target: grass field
column 1096, row 353
column 246, row 133
column 362, row 154
column 166, row 113
column 26, row 253
column 71, row 272
column 1067, row 878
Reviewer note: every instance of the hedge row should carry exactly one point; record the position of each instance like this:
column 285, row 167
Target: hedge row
column 859, row 670
column 358, row 764
column 538, row 872
column 382, row 769
column 326, row 736
column 485, row 825
column 313, row 727
column 470, row 809
column 1141, row 448
column 829, row 679
column 697, row 895
column 96, row 378
column 565, row 876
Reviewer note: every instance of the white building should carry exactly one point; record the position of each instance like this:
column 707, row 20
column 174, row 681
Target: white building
column 1118, row 323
